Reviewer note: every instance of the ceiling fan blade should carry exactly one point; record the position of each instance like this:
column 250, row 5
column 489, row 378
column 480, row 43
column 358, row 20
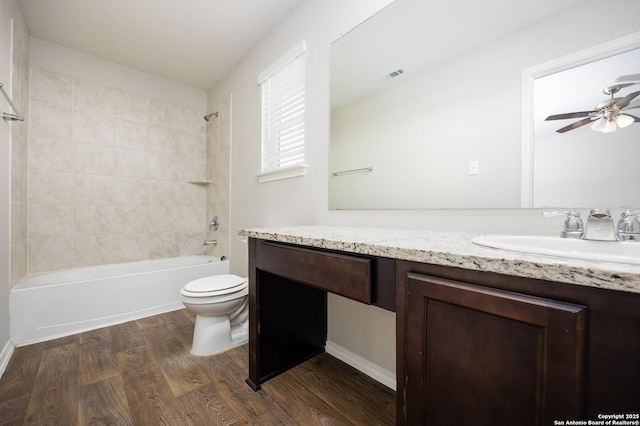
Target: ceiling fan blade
column 623, row 85
column 623, row 102
column 569, row 115
column 636, row 119
column 617, row 87
column 575, row 125
column 635, row 78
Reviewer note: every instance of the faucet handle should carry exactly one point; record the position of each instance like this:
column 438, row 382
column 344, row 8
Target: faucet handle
column 573, row 225
column 629, row 226
column 630, row 213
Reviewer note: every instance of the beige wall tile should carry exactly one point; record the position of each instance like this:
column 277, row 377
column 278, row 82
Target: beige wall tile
column 19, row 179
column 49, row 121
column 92, row 96
column 131, row 163
column 163, row 166
column 94, row 159
column 50, row 154
column 92, row 126
column 50, row 187
column 130, row 106
column 164, row 114
column 131, row 134
column 20, row 94
column 51, row 220
column 191, row 243
column 163, row 244
column 50, row 88
column 50, row 254
column 190, row 218
column 111, row 190
column 18, row 223
column 18, row 262
column 109, row 174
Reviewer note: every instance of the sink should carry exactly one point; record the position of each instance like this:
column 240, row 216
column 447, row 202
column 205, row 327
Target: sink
column 604, row 251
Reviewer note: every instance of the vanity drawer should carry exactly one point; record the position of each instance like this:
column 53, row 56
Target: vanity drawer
column 348, row 276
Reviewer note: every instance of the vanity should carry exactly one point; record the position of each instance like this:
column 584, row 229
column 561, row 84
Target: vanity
column 483, row 336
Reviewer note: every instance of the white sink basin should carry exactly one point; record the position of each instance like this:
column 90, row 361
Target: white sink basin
column 604, row 251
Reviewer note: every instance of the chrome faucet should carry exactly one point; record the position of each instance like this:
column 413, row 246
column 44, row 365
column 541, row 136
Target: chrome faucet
column 210, row 243
column 214, row 224
column 600, row 226
column 573, row 225
column 629, row 226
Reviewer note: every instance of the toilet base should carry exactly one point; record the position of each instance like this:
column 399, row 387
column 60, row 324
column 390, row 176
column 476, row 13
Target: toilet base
column 212, row 335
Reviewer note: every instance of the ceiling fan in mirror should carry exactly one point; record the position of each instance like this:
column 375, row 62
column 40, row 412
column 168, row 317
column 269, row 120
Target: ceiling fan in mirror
column 608, row 115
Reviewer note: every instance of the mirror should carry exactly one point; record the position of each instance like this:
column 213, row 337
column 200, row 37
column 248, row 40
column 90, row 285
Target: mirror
column 423, row 119
column 568, row 161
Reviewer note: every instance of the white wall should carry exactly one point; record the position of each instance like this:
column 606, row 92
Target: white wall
column 305, row 200
column 73, row 63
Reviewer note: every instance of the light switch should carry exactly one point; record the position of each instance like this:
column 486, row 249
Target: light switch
column 473, row 167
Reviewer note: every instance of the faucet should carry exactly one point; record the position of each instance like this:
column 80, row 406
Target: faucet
column 210, row 243
column 629, row 226
column 214, row 224
column 600, row 226
column 573, row 225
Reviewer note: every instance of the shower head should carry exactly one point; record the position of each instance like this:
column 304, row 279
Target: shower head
column 208, row 116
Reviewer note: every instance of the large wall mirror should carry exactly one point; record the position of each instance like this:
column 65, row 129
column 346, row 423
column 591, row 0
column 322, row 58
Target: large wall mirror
column 424, row 115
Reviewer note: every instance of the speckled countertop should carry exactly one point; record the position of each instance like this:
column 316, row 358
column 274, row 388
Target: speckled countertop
column 454, row 249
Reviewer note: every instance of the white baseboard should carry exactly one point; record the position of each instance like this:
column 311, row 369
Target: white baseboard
column 372, row 370
column 5, row 356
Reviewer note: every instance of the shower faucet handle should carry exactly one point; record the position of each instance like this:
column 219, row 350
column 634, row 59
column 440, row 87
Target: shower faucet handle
column 573, row 225
column 214, row 224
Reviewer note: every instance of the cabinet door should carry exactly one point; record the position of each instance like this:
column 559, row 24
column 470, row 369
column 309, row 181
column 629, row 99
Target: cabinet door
column 483, row 356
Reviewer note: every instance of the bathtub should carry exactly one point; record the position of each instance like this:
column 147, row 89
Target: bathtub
column 56, row 304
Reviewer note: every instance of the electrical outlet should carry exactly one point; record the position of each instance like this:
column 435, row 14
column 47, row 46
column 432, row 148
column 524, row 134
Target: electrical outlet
column 473, row 167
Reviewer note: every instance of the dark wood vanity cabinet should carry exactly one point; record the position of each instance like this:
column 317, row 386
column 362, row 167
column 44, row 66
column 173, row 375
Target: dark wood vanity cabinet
column 472, row 347
column 288, row 288
column 489, row 357
column 487, row 349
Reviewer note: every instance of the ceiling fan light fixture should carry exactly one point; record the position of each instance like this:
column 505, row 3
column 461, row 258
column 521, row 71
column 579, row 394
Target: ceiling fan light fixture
column 624, row 120
column 610, row 126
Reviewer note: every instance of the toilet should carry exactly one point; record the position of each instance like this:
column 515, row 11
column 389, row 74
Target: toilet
column 221, row 306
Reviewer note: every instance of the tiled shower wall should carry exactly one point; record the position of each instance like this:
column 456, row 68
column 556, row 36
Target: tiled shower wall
column 109, row 175
column 218, row 171
column 19, row 152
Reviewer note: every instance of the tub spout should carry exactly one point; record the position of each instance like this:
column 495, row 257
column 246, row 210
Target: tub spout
column 210, row 243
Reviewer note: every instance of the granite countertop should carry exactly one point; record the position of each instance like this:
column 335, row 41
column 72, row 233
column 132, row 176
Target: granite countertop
column 454, row 249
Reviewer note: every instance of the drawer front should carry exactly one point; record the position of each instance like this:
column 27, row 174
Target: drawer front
column 348, row 276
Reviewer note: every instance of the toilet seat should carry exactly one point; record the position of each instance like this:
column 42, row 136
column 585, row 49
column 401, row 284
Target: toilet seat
column 215, row 285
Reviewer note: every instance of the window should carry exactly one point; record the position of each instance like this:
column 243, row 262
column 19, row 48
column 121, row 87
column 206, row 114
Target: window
column 283, row 107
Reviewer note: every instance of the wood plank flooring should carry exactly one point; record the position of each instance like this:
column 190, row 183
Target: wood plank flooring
column 141, row 373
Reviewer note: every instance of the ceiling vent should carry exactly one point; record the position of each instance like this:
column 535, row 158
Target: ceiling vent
column 393, row 74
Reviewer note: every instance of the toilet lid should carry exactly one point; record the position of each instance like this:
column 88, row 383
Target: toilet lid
column 215, row 283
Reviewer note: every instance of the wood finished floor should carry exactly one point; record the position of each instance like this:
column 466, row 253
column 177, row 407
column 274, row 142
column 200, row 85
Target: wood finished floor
column 141, row 373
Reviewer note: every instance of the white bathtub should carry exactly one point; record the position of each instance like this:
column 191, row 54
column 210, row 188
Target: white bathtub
column 56, row 304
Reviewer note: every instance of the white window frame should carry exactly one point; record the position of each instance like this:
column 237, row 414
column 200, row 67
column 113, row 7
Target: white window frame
column 275, row 164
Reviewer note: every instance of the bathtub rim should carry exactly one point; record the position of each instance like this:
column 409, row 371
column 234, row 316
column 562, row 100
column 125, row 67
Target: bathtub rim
column 26, row 283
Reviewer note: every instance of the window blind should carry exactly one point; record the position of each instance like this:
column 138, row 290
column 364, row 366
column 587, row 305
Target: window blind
column 283, row 111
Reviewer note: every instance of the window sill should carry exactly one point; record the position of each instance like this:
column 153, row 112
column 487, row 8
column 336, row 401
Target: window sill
column 286, row 173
